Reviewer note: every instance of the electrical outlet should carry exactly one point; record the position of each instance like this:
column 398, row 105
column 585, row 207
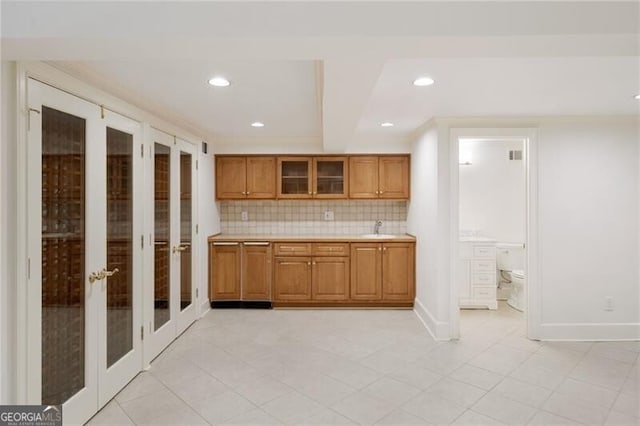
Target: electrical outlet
column 608, row 303
column 328, row 215
column 244, row 216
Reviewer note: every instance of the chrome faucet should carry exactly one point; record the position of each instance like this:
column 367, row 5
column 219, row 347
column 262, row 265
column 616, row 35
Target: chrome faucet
column 376, row 227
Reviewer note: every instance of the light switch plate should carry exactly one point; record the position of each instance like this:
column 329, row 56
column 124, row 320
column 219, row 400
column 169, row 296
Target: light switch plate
column 244, row 216
column 328, row 215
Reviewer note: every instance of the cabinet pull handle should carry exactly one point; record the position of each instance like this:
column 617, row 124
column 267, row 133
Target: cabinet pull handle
column 256, row 243
column 225, row 243
column 384, row 249
column 314, row 263
column 310, row 193
column 381, row 192
column 248, row 192
column 379, row 248
column 309, row 263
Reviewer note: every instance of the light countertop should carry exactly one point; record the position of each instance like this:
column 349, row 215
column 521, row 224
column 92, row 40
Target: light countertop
column 314, row 237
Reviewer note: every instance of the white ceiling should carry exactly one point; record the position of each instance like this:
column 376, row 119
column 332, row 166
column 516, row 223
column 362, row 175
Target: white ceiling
column 331, row 71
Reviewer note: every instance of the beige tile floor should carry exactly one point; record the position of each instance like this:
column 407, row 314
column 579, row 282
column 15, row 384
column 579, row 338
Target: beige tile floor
column 377, row 367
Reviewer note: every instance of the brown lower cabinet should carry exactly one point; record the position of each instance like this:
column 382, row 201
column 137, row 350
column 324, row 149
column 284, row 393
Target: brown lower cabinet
column 240, row 271
column 311, row 278
column 314, row 274
column 382, row 272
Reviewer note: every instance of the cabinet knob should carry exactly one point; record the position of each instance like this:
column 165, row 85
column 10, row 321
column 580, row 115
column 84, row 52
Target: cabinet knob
column 310, row 193
column 379, row 248
column 313, row 263
column 309, row 263
column 248, row 192
column 381, row 192
column 377, row 192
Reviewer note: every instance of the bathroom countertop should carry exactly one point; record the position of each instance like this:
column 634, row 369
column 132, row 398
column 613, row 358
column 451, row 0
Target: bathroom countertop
column 477, row 239
column 313, row 237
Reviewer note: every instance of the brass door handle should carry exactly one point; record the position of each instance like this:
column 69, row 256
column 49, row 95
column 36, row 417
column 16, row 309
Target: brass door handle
column 106, row 273
column 180, row 248
column 96, row 276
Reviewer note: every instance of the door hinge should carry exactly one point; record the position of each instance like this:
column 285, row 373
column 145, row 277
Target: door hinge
column 197, row 228
column 142, row 332
column 196, row 164
column 102, row 111
column 28, row 268
column 197, row 292
column 142, row 242
column 29, row 111
column 142, row 151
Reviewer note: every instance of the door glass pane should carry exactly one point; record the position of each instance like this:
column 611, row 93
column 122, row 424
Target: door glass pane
column 330, row 177
column 295, row 177
column 63, row 255
column 119, row 244
column 185, row 229
column 162, row 174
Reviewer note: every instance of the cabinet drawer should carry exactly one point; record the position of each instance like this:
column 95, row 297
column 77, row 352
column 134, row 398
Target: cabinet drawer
column 330, row 249
column 483, row 266
column 293, row 249
column 484, row 251
column 488, row 292
column 483, row 279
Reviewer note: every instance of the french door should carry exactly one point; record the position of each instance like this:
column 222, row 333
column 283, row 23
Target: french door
column 170, row 297
column 84, row 252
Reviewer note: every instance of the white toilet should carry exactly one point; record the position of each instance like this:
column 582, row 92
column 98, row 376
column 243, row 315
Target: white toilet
column 510, row 262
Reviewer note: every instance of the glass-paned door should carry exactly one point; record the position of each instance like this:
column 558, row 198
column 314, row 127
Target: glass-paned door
column 120, row 313
column 162, row 234
column 81, row 289
column 186, row 225
column 170, row 299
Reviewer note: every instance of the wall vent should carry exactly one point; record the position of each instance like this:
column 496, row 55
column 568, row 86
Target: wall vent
column 515, row 155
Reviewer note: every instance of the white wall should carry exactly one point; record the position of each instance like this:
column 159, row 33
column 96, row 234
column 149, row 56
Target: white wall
column 422, row 222
column 492, row 190
column 208, row 218
column 588, row 228
column 7, row 230
column 588, row 204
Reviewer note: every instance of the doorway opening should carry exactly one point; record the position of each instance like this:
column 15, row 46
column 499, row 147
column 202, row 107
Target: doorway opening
column 491, row 258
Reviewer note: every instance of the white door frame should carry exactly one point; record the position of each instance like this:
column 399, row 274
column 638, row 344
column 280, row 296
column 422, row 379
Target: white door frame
column 533, row 311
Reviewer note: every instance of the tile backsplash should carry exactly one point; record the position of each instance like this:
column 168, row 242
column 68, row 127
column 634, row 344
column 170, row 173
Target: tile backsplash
column 307, row 217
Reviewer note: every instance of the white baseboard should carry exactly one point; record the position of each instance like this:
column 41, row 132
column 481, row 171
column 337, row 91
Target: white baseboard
column 439, row 330
column 590, row 332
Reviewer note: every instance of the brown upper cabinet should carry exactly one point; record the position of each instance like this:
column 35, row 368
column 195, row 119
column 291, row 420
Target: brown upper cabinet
column 312, row 177
column 385, row 177
column 239, row 178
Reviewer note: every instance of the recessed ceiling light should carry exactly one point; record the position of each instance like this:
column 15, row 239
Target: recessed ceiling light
column 257, row 124
column 219, row 82
column 637, row 97
column 386, row 124
column 423, row 81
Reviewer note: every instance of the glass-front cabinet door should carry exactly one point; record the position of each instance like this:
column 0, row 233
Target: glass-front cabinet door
column 329, row 177
column 312, row 177
column 295, row 177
